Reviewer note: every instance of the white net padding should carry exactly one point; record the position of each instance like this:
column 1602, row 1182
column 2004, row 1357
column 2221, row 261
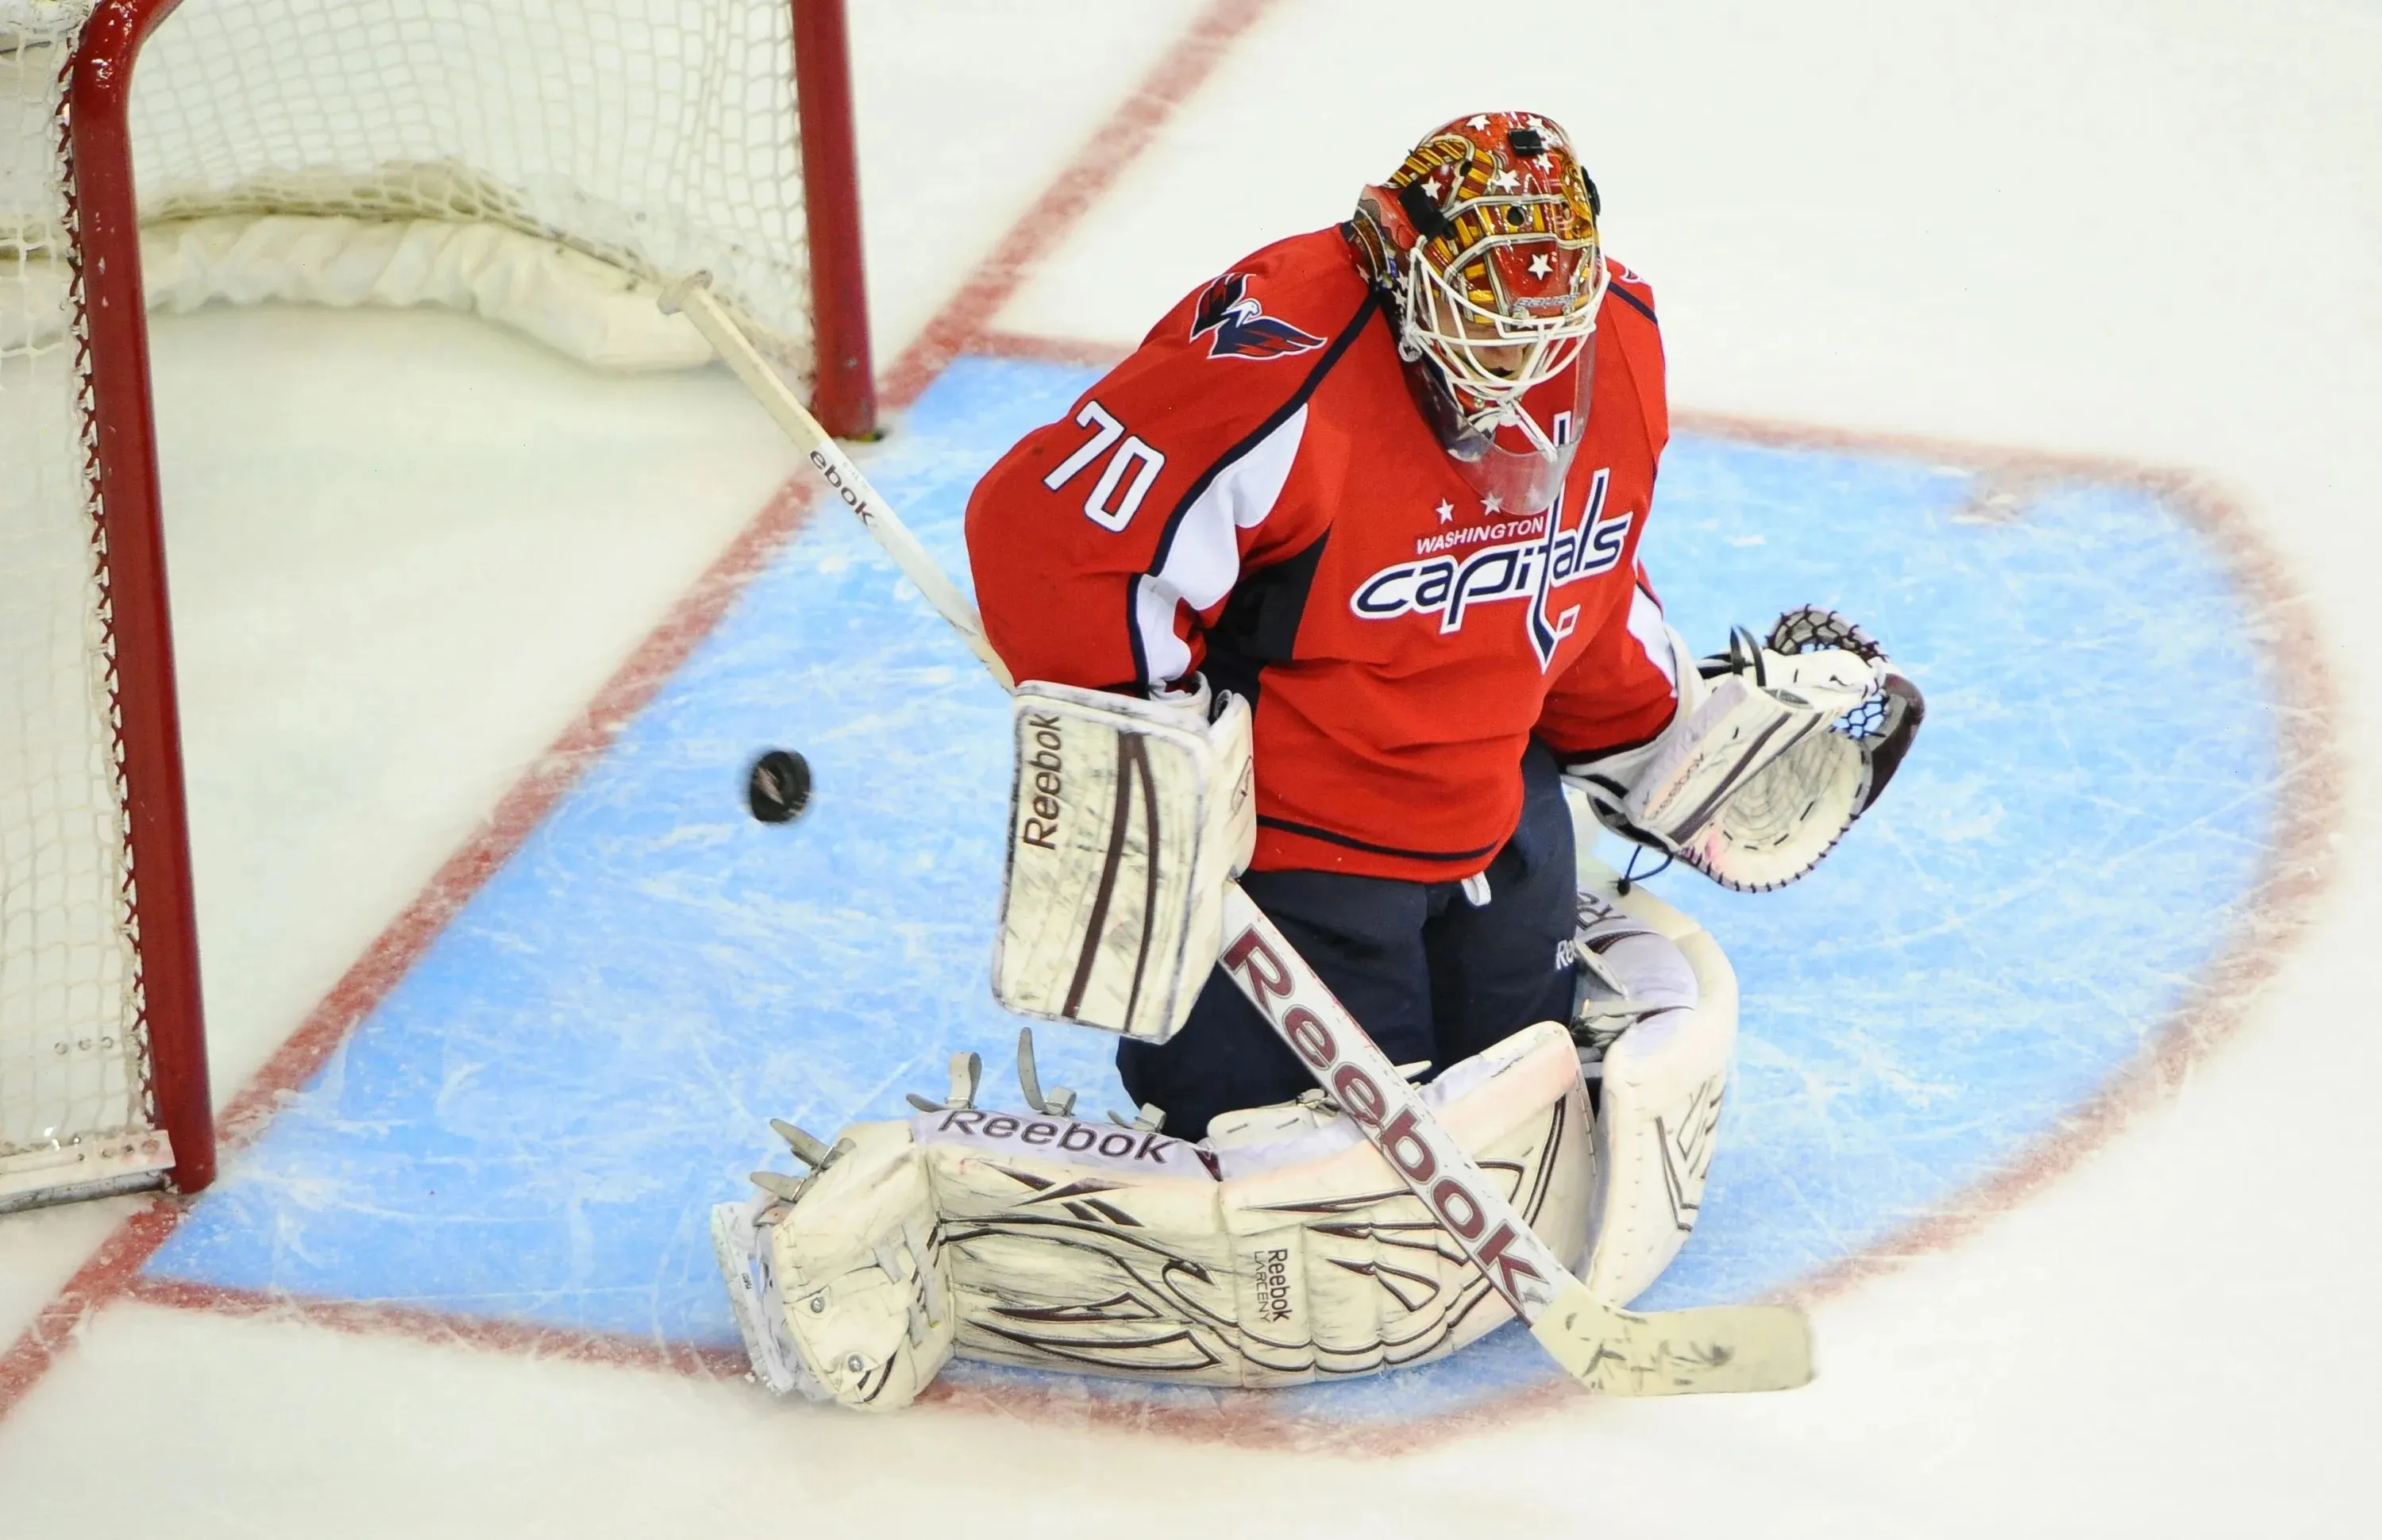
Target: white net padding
column 546, row 164
column 466, row 152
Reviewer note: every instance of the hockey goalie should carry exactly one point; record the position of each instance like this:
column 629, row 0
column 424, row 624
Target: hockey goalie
column 1332, row 587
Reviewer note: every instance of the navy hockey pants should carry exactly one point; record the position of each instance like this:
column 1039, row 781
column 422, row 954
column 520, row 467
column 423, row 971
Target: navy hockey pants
column 1429, row 975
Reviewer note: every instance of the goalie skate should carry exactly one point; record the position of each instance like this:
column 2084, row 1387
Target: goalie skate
column 739, row 1241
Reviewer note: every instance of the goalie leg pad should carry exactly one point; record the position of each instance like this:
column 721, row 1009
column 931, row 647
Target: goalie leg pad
column 1126, row 819
column 1283, row 1250
column 1384, row 1286
column 1664, row 1071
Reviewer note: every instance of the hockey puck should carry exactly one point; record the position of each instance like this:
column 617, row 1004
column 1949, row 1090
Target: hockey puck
column 779, row 787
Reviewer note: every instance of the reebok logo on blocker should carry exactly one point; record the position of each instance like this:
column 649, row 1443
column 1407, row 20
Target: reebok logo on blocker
column 1049, row 784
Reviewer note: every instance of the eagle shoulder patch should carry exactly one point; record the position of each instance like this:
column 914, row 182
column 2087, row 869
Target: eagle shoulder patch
column 1237, row 327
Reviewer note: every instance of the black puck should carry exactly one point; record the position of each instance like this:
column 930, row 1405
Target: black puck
column 779, row 787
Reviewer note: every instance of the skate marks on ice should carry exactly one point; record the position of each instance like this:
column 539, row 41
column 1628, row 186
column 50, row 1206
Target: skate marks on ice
column 531, row 1128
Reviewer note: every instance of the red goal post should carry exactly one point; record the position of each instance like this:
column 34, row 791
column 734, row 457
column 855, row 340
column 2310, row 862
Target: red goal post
column 549, row 164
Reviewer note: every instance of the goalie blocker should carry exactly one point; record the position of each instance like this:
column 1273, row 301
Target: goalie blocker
column 1126, row 819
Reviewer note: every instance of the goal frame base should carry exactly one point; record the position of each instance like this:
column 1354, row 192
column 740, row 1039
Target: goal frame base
column 101, row 1168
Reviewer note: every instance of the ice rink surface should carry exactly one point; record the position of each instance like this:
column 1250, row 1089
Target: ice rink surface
column 2052, row 1092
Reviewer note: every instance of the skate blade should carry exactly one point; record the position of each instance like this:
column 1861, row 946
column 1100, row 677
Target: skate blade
column 750, row 1298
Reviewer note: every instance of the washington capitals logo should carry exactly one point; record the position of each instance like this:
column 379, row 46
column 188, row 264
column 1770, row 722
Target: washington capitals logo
column 1242, row 328
column 1548, row 558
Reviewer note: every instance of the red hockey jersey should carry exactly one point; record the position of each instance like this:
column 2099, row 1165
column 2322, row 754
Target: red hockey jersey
column 1255, row 494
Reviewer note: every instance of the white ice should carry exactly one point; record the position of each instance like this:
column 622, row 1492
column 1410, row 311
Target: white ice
column 407, row 549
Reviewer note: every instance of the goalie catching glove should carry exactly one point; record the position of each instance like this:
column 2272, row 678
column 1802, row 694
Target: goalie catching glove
column 1776, row 749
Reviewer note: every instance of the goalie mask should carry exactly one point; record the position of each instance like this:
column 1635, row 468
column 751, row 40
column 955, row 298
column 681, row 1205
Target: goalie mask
column 1483, row 244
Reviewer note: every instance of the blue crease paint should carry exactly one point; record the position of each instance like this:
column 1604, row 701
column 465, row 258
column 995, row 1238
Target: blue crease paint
column 533, row 1122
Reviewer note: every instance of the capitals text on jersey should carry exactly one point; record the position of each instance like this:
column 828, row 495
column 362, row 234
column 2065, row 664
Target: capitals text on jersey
column 1533, row 568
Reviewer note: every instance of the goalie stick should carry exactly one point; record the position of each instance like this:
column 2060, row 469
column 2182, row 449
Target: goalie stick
column 1717, row 1348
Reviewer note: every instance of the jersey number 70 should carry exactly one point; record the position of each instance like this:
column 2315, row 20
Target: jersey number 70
column 1132, row 454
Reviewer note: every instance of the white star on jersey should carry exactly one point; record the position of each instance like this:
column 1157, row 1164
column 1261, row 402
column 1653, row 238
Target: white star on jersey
column 1446, row 512
column 1493, row 504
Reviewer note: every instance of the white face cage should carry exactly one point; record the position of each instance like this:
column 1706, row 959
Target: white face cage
column 1491, row 359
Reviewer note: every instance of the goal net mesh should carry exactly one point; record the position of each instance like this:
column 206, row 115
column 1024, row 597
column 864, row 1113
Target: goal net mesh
column 488, row 154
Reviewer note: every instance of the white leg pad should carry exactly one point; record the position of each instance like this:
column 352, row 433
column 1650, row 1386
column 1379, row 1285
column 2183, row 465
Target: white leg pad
column 1292, row 1255
column 1664, row 1080
column 1283, row 1251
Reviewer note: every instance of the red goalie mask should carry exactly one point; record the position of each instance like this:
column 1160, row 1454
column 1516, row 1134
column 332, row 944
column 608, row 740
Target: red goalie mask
column 1484, row 243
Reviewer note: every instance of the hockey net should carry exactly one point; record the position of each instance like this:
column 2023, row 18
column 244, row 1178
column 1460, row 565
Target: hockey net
column 546, row 164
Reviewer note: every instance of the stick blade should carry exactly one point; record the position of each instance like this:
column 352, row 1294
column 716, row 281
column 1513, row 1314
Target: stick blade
column 1709, row 1350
